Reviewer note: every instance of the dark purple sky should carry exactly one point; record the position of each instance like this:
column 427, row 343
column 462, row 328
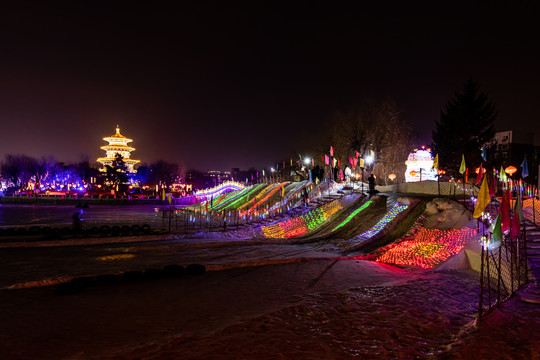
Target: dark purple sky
column 221, row 86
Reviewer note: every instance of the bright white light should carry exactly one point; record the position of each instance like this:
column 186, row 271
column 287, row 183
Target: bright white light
column 369, row 159
column 307, row 161
column 272, row 169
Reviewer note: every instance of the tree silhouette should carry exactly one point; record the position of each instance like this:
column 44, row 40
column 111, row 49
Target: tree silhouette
column 116, row 172
column 466, row 124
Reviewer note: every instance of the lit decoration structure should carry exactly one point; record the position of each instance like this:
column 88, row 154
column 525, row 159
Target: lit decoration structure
column 118, row 145
column 428, row 248
column 386, row 219
column 420, row 165
column 262, row 198
column 303, row 224
column 226, row 186
column 239, row 198
column 353, row 214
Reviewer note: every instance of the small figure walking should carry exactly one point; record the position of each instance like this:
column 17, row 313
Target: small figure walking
column 77, row 221
column 371, row 181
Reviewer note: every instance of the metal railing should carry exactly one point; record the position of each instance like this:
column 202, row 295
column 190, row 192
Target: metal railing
column 503, row 271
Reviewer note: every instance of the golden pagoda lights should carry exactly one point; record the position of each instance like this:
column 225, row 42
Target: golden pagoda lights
column 118, row 145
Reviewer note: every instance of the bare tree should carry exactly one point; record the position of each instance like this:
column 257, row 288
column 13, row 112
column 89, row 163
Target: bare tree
column 373, row 126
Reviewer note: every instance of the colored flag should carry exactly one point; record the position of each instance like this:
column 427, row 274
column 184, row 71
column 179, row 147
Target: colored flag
column 350, row 160
column 331, row 151
column 361, row 163
column 483, row 199
column 338, row 162
column 169, row 198
column 436, row 162
column 334, row 161
column 163, row 194
column 466, row 175
column 525, row 168
column 355, row 161
column 479, row 177
column 462, row 167
column 313, row 162
column 497, row 232
column 282, row 191
column 284, row 164
column 492, row 188
column 502, row 175
column 326, row 160
column 341, row 174
column 504, row 212
column 518, row 208
column 291, row 162
column 357, row 154
column 516, row 223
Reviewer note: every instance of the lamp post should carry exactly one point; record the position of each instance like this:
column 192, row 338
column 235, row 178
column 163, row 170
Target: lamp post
column 368, row 160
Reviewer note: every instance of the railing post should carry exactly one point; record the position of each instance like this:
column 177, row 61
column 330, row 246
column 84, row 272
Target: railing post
column 480, row 303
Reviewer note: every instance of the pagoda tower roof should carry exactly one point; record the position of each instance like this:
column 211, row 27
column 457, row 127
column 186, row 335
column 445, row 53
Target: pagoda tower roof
column 117, row 138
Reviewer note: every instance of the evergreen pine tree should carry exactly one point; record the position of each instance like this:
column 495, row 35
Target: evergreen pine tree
column 466, row 124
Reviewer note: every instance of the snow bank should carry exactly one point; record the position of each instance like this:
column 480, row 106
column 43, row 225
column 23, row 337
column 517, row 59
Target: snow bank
column 445, row 214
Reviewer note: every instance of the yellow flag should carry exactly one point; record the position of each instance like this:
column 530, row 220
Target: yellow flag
column 462, row 167
column 169, row 198
column 291, row 162
column 436, row 162
column 163, row 194
column 361, row 162
column 483, row 199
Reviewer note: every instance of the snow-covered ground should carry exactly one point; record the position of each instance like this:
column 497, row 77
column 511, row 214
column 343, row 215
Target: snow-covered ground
column 260, row 299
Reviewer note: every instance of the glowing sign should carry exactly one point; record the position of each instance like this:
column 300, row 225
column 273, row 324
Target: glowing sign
column 420, row 166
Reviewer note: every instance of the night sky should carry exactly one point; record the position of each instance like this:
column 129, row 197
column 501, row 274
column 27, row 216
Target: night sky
column 246, row 84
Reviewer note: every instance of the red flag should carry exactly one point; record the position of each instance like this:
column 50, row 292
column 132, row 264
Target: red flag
column 341, row 174
column 504, row 210
column 492, row 188
column 284, row 164
column 326, row 160
column 338, row 162
column 331, row 151
column 350, row 160
column 466, row 175
column 322, row 157
column 357, row 154
column 355, row 161
column 479, row 177
column 313, row 162
column 514, row 231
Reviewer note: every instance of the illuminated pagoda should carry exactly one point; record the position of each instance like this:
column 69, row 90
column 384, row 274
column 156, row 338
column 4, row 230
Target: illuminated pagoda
column 118, row 145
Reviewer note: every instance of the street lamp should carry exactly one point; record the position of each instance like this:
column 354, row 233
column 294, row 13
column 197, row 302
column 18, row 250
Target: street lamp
column 307, row 161
column 369, row 159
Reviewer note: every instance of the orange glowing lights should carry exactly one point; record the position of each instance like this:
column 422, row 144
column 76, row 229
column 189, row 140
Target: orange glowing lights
column 510, row 170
